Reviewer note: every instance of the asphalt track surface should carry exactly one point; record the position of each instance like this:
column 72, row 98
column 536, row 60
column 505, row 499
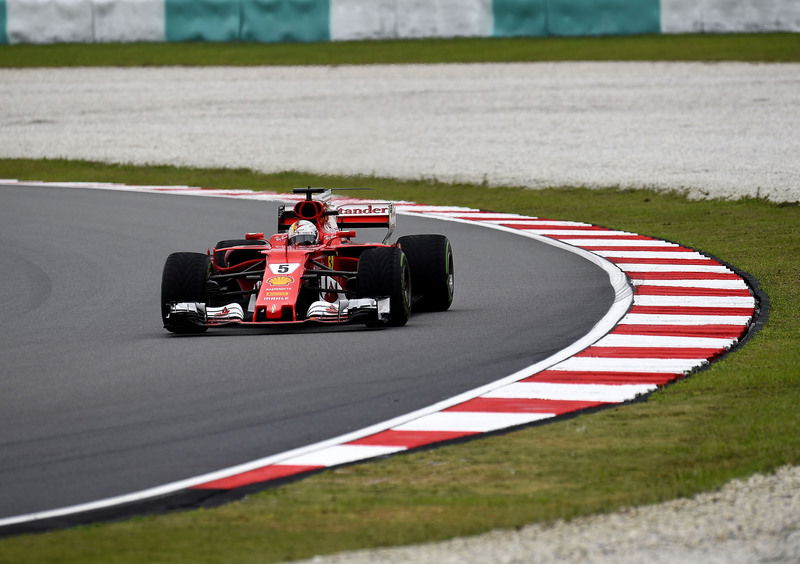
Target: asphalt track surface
column 97, row 400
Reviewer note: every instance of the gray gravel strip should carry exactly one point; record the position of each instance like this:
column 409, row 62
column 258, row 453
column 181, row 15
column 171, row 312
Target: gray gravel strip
column 747, row 521
column 727, row 129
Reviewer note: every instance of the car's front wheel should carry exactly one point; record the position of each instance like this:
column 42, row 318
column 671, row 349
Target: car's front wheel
column 183, row 280
column 384, row 272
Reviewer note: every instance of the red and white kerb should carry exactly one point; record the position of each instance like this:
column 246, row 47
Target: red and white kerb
column 687, row 309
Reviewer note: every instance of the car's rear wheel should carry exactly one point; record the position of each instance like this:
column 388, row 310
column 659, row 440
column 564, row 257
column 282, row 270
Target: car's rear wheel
column 384, row 272
column 183, row 280
column 430, row 258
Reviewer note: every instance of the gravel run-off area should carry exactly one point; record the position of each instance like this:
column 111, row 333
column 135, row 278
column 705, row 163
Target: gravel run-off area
column 725, row 129
column 745, row 522
column 715, row 130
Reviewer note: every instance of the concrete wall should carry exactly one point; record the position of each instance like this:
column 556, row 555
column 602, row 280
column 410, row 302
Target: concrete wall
column 724, row 16
column 390, row 19
column 81, row 21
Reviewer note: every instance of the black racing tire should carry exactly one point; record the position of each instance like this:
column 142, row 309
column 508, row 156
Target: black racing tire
column 430, row 258
column 219, row 257
column 183, row 280
column 384, row 271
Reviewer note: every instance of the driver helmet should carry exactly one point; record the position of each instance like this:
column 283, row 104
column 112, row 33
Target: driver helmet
column 302, row 232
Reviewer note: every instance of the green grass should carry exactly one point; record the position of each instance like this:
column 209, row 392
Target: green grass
column 768, row 47
column 734, row 419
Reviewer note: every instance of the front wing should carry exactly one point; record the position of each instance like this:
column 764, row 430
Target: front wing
column 341, row 311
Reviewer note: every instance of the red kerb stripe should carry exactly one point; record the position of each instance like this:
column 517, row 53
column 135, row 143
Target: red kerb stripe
column 645, row 290
column 650, row 352
column 683, row 276
column 685, row 310
column 173, row 189
column 256, row 476
column 607, row 237
column 522, row 405
column 719, row 331
column 553, row 227
column 409, row 439
column 601, row 377
column 664, row 249
column 697, row 261
column 487, row 217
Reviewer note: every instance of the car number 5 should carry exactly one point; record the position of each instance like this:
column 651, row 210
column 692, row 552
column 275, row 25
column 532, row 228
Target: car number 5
column 283, row 268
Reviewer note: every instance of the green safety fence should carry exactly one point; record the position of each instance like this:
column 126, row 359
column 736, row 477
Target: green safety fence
column 3, row 33
column 537, row 18
column 247, row 20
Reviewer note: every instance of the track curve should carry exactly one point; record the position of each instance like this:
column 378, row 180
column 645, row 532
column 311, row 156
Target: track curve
column 84, row 417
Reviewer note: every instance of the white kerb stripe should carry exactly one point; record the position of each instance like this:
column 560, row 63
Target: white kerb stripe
column 213, row 193
column 695, row 301
column 572, row 392
column 418, row 206
column 615, row 340
column 682, row 255
column 504, row 216
column 659, row 319
column 633, row 243
column 601, row 364
column 340, row 454
column 467, row 421
column 543, row 222
column 554, row 233
column 644, row 267
column 716, row 284
column 432, row 209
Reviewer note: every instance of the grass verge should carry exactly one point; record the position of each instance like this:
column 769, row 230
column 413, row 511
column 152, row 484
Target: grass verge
column 760, row 47
column 736, row 418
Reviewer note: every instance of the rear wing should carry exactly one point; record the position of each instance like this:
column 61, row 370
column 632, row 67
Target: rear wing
column 367, row 214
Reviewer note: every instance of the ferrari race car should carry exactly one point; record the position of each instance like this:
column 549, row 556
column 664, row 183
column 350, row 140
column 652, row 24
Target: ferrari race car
column 310, row 271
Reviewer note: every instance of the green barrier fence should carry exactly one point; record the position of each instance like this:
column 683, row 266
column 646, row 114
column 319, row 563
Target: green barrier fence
column 3, row 34
column 247, row 20
column 285, row 20
column 603, row 17
column 202, row 20
column 521, row 18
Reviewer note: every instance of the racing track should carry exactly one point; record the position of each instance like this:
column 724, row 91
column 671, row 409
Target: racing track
column 97, row 400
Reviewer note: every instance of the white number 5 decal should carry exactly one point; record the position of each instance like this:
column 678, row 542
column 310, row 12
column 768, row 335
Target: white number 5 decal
column 283, row 268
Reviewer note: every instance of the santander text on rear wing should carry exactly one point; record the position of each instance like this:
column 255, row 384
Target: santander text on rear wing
column 367, row 214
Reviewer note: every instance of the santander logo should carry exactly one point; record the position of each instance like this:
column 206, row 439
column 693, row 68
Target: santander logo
column 369, row 209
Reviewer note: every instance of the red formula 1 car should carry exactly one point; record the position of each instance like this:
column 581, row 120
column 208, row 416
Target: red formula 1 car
column 310, row 271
